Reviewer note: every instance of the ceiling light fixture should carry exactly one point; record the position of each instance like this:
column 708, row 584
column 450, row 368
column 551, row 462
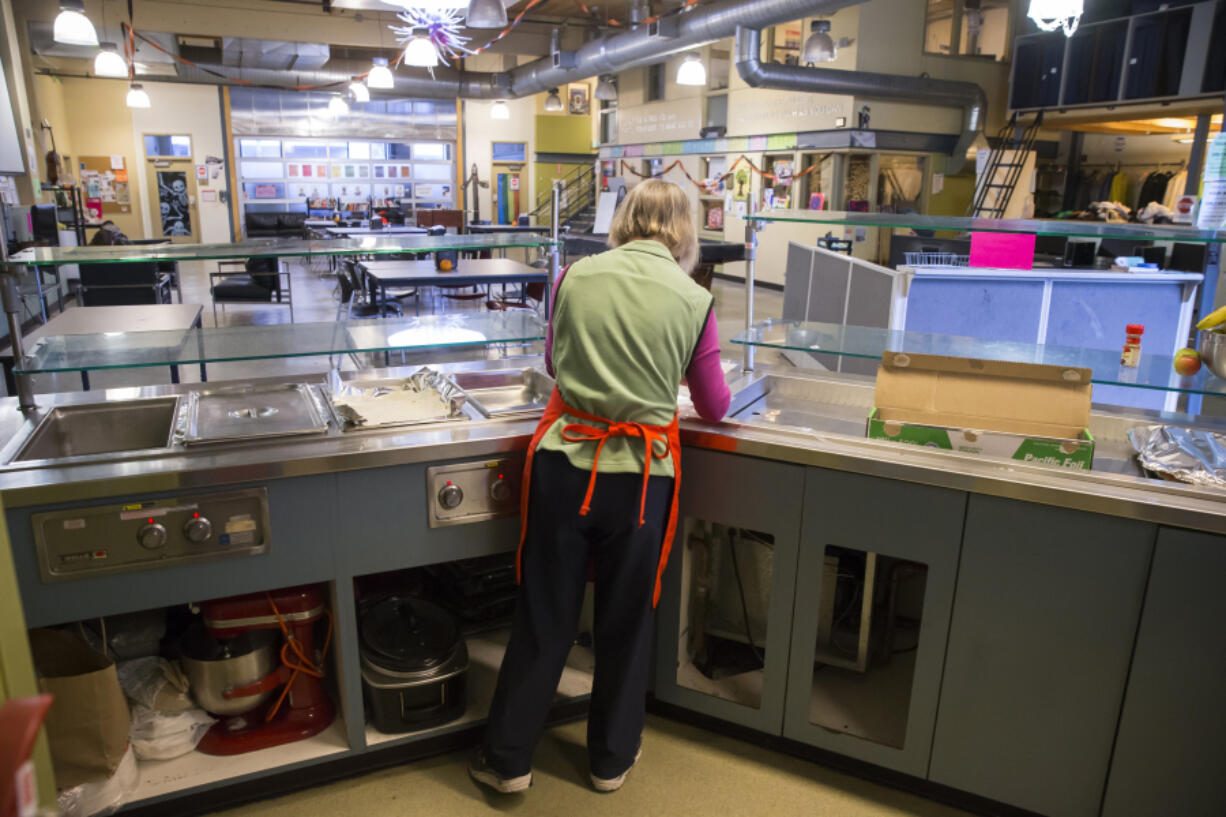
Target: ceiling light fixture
column 429, row 5
column 108, row 63
column 72, row 27
column 337, row 106
column 420, row 52
column 819, row 47
column 359, row 91
column 137, row 98
column 553, row 102
column 500, row 110
column 486, row 14
column 380, row 76
column 692, row 71
column 605, row 89
column 1049, row 15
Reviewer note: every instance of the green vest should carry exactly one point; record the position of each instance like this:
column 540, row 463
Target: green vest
column 624, row 327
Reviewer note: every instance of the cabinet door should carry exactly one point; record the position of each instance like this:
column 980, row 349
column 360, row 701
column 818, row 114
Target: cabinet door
column 1043, row 624
column 1168, row 755
column 724, row 619
column 874, row 587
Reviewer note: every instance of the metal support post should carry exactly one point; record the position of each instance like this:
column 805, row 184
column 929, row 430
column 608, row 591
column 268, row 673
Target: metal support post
column 751, row 251
column 11, row 299
column 555, row 217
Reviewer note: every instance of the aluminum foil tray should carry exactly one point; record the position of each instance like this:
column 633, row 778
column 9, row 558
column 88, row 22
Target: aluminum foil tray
column 230, row 413
column 426, row 396
column 1182, row 454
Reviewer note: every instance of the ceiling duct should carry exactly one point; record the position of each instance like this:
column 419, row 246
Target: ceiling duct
column 245, row 52
column 922, row 90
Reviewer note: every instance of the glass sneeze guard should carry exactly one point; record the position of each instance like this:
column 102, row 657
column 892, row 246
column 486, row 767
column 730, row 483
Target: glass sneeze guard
column 1153, row 372
column 1043, row 227
column 274, row 248
column 122, row 350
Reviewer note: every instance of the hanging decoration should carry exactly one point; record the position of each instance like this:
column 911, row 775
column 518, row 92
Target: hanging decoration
column 1052, row 14
column 441, row 26
column 709, row 186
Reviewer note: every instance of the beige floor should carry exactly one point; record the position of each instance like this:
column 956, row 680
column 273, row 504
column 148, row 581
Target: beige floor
column 684, row 771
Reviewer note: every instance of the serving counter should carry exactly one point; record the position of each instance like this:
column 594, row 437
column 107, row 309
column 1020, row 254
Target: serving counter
column 1014, row 596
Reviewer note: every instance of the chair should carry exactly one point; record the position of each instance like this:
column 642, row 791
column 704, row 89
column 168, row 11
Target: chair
column 123, row 283
column 352, row 290
column 256, row 281
column 532, row 297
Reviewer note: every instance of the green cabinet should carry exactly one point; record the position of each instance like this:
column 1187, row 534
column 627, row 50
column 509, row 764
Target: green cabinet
column 725, row 616
column 874, row 588
column 1168, row 755
column 1046, row 610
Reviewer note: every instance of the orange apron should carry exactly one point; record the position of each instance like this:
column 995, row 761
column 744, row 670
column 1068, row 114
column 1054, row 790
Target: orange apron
column 600, row 434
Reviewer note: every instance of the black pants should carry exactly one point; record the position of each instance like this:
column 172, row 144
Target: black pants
column 555, row 563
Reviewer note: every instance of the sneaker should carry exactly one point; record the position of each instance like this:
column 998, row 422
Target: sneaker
column 482, row 772
column 615, row 783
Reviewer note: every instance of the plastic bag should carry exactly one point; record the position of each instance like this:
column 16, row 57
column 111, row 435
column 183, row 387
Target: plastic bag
column 158, row 736
column 155, row 683
column 99, row 797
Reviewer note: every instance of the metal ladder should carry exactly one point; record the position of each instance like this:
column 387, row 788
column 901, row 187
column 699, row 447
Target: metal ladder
column 1012, row 141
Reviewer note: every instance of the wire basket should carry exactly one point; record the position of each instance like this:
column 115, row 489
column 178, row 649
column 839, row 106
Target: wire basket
column 936, row 259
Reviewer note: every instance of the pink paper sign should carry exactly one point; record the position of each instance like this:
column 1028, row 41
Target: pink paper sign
column 1002, row 251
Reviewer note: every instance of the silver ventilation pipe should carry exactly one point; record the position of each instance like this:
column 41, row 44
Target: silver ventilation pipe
column 966, row 95
column 647, row 44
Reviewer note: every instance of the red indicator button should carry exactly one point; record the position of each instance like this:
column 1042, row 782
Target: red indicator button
column 99, row 554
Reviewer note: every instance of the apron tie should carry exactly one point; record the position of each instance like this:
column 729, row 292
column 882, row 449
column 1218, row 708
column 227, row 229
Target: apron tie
column 580, row 432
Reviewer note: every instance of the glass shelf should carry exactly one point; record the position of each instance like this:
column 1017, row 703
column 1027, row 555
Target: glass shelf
column 274, row 248
column 123, row 350
column 1154, row 371
column 1046, row 227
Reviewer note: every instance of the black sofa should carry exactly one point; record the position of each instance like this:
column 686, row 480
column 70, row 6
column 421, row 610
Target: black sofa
column 275, row 225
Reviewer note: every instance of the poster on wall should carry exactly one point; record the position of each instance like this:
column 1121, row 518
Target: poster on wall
column 175, row 204
column 577, row 95
column 265, row 191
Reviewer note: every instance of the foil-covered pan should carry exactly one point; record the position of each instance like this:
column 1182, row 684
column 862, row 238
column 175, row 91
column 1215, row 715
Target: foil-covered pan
column 1182, row 454
column 426, row 396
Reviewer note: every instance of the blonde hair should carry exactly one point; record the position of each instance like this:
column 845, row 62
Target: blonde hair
column 656, row 210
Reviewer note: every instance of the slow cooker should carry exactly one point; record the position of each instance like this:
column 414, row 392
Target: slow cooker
column 414, row 665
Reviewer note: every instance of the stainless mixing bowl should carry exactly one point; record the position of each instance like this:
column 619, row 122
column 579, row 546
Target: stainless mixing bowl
column 1213, row 352
column 214, row 667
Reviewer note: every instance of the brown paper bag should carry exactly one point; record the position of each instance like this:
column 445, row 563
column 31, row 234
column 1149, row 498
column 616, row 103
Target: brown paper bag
column 87, row 726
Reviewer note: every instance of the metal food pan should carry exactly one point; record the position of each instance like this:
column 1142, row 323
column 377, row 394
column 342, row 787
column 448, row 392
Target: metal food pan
column 349, row 396
column 506, row 393
column 230, row 413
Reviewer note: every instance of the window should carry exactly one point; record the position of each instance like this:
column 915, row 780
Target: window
column 431, row 151
column 972, row 28
column 785, row 42
column 608, row 121
column 508, row 151
column 656, row 81
column 717, row 111
column 304, row 150
column 719, row 65
column 162, row 145
column 260, row 148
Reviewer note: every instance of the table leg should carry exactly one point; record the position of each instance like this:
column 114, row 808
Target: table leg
column 174, row 373
column 85, row 379
column 10, row 380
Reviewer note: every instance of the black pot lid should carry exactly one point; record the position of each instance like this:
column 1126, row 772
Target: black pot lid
column 407, row 634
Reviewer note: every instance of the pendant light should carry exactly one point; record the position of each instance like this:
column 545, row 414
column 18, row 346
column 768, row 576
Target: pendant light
column 486, row 14
column 1049, row 15
column 553, row 102
column 420, row 52
column 137, row 98
column 72, row 27
column 337, row 106
column 606, row 91
column 692, row 71
column 499, row 110
column 380, row 75
column 819, row 47
column 359, row 91
column 108, row 63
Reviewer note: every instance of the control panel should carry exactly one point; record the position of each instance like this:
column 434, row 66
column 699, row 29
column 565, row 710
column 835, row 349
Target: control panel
column 473, row 491
column 137, row 535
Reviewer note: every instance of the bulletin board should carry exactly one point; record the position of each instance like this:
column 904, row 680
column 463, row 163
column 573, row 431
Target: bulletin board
column 106, row 178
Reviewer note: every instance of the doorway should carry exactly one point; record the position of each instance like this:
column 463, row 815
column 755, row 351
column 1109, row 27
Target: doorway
column 171, row 184
column 508, row 193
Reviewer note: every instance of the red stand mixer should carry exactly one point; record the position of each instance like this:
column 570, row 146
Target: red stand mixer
column 254, row 665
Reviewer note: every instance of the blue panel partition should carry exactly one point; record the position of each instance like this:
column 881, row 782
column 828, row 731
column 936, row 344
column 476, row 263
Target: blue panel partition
column 992, row 310
column 1093, row 315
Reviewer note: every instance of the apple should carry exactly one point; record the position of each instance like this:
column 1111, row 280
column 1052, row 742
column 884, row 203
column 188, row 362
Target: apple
column 1187, row 361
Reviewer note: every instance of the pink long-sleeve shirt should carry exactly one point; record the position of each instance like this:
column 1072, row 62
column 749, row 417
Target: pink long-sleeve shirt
column 708, row 390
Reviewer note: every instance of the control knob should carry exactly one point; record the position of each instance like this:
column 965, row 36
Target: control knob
column 500, row 490
column 450, row 497
column 152, row 536
column 198, row 530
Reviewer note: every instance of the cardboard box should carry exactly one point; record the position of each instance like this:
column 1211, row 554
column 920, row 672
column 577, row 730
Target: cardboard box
column 1022, row 411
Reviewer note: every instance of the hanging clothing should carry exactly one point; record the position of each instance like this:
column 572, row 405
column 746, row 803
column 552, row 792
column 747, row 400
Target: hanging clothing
column 1153, row 189
column 1120, row 184
column 1174, row 188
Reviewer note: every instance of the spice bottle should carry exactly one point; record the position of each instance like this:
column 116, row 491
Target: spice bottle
column 1131, row 356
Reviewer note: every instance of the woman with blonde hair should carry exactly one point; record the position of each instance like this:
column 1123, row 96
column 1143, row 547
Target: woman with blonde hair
column 603, row 472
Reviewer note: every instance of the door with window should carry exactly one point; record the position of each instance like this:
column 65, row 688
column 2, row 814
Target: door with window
column 171, row 183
